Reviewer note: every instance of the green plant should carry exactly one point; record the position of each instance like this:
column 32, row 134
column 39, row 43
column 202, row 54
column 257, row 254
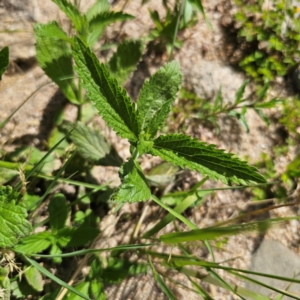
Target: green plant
column 70, row 226
column 178, row 18
column 53, row 48
column 202, row 110
column 271, row 33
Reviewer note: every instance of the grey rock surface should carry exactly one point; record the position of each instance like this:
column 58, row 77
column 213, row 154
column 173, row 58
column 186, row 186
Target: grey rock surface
column 274, row 258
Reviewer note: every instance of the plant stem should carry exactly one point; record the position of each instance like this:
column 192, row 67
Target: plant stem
column 135, row 154
column 79, row 106
column 176, row 28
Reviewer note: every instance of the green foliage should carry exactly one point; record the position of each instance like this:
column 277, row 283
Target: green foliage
column 178, row 18
column 4, row 284
column 55, row 57
column 53, row 46
column 156, row 97
column 98, row 23
column 13, row 214
column 31, row 157
column 291, row 118
column 124, row 60
column 4, row 60
column 118, row 110
column 69, row 222
column 92, row 145
column 272, row 36
column 208, row 111
column 34, row 278
column 134, row 186
column 184, row 151
column 61, row 236
column 110, row 99
column 162, row 175
column 214, row 232
column 72, row 13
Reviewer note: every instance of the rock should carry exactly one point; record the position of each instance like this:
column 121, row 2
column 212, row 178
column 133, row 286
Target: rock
column 274, row 258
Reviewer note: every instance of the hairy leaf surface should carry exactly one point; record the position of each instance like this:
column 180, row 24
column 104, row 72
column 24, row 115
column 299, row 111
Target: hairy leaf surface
column 185, row 151
column 34, row 243
column 34, row 278
column 98, row 7
column 134, row 187
column 157, row 96
column 55, row 57
column 111, row 100
column 58, row 212
column 125, row 60
column 71, row 12
column 4, row 60
column 92, row 145
column 13, row 214
column 108, row 17
column 99, row 22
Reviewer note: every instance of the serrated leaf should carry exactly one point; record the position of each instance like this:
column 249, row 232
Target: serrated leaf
column 75, row 237
column 269, row 104
column 13, row 214
column 34, row 278
column 156, row 98
column 52, row 30
column 262, row 92
column 83, row 235
column 4, row 60
column 98, row 7
column 107, row 17
column 99, row 22
column 55, row 250
column 55, row 57
column 34, row 243
column 92, row 146
column 72, row 13
column 184, row 151
column 134, row 187
column 218, row 103
column 125, row 60
column 58, row 212
column 240, row 92
column 262, row 116
column 111, row 100
column 82, row 287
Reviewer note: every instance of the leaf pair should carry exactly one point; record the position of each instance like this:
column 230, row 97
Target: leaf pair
column 60, row 235
column 113, row 104
column 140, row 126
column 91, row 25
column 53, row 49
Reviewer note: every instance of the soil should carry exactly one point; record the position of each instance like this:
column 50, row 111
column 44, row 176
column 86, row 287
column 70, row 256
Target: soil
column 207, row 62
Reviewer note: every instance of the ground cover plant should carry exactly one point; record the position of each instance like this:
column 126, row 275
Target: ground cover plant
column 70, row 226
column 271, row 33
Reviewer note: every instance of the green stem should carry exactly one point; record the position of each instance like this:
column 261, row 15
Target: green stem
column 135, row 154
column 176, row 28
column 80, row 101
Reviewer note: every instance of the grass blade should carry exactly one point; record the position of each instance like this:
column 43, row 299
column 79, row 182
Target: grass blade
column 160, row 282
column 54, row 278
